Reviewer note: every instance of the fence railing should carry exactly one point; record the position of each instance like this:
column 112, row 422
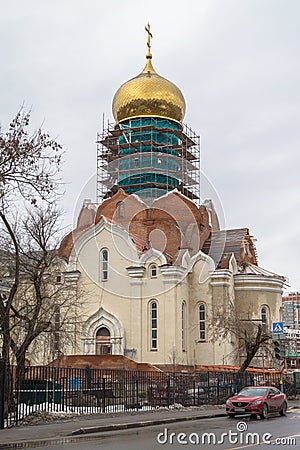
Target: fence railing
column 89, row 391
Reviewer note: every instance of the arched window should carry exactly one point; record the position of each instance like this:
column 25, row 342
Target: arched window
column 121, row 209
column 104, row 265
column 153, row 271
column 183, row 326
column 153, row 325
column 58, row 278
column 202, row 322
column 103, row 346
column 265, row 319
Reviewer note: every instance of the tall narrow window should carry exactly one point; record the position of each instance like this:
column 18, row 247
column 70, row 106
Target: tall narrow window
column 264, row 319
column 121, row 209
column 56, row 328
column 183, row 326
column 202, row 324
column 153, row 325
column 104, row 265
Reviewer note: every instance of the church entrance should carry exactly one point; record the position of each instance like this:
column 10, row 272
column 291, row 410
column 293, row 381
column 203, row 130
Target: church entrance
column 103, row 346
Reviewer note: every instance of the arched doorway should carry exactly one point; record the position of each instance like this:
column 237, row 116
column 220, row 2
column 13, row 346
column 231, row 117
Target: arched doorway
column 103, row 341
column 114, row 335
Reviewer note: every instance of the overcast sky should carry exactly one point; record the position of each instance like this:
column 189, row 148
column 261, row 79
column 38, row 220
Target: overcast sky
column 236, row 62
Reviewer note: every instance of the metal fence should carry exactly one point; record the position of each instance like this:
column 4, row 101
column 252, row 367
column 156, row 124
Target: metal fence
column 90, row 391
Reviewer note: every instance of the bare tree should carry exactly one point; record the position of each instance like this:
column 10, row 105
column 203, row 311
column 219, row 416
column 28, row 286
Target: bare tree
column 29, row 164
column 45, row 302
column 247, row 333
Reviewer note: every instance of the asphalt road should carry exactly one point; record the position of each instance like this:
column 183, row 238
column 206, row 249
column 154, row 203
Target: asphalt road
column 237, row 433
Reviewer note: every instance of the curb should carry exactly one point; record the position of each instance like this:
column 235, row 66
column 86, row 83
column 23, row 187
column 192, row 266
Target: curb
column 78, row 435
column 145, row 423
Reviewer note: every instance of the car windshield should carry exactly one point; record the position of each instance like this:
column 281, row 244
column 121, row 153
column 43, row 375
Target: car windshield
column 253, row 392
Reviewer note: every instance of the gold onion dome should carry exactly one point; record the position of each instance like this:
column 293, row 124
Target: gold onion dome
column 148, row 95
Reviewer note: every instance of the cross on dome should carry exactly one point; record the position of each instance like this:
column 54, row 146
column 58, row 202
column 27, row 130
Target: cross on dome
column 150, row 36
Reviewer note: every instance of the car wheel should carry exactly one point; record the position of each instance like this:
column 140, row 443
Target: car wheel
column 282, row 412
column 264, row 411
column 231, row 416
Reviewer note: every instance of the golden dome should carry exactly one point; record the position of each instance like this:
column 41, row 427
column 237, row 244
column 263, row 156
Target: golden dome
column 148, row 94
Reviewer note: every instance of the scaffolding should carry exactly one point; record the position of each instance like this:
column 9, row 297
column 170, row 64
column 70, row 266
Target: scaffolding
column 150, row 157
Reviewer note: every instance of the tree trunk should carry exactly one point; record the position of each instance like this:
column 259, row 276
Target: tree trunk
column 5, row 309
column 20, row 357
column 7, row 404
column 5, row 331
column 246, row 362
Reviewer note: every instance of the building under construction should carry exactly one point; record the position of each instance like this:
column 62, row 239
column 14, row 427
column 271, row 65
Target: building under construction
column 161, row 283
column 148, row 156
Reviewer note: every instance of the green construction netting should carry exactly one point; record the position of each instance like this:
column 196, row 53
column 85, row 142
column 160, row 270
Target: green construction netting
column 149, row 141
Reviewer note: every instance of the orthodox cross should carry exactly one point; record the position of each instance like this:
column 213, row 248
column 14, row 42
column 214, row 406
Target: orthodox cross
column 147, row 28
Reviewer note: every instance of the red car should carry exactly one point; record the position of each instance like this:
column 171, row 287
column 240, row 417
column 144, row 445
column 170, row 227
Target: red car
column 259, row 400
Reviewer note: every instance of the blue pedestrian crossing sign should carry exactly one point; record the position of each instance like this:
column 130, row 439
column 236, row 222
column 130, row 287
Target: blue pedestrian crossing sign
column 277, row 327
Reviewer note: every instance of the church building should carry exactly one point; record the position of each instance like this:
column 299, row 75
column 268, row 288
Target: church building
column 149, row 259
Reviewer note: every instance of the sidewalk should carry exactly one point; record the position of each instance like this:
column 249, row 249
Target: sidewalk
column 71, row 429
